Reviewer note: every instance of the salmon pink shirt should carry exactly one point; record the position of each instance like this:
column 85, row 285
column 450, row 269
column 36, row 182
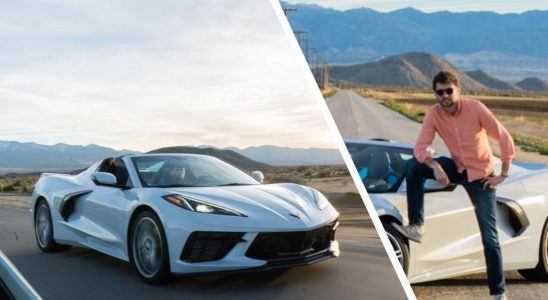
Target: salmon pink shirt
column 465, row 135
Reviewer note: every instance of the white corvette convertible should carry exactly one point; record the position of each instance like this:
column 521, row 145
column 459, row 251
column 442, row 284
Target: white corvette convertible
column 183, row 214
column 452, row 244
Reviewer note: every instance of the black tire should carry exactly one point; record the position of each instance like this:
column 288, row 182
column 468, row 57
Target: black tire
column 540, row 272
column 43, row 229
column 399, row 244
column 148, row 248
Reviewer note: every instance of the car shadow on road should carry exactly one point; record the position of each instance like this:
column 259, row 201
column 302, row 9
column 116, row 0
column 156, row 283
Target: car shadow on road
column 512, row 278
column 80, row 269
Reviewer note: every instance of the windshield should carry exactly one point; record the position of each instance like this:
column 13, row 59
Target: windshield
column 381, row 168
column 187, row 171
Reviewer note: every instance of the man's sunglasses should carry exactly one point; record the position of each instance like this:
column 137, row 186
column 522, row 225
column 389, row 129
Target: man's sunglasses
column 440, row 92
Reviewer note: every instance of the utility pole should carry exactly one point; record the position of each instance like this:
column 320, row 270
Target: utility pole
column 319, row 71
column 325, row 75
column 315, row 65
column 299, row 34
column 306, row 41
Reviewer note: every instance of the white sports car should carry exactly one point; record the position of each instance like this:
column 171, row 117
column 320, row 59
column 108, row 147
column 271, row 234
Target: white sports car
column 183, row 214
column 452, row 244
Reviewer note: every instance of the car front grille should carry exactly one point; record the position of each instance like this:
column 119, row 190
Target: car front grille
column 273, row 246
column 209, row 245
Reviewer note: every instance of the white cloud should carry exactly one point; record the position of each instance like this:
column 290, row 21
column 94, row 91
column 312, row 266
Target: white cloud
column 143, row 75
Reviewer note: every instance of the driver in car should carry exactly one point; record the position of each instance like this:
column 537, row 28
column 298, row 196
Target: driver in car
column 464, row 125
column 172, row 175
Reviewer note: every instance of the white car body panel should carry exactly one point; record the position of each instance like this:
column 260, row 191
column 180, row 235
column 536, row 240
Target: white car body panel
column 100, row 218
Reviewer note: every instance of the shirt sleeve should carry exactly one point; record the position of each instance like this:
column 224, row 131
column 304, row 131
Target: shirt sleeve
column 425, row 138
column 495, row 130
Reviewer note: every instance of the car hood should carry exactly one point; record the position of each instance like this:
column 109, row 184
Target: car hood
column 285, row 202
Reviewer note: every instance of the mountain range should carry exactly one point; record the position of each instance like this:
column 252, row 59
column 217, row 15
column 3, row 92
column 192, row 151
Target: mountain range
column 533, row 84
column 17, row 157
column 281, row 156
column 416, row 70
column 513, row 46
column 30, row 157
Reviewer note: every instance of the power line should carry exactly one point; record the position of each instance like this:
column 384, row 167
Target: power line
column 318, row 66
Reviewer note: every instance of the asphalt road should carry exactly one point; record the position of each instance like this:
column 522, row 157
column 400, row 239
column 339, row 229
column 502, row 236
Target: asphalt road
column 362, row 271
column 363, row 118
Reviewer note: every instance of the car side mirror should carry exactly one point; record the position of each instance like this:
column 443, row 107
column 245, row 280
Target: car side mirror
column 431, row 186
column 104, row 178
column 257, row 175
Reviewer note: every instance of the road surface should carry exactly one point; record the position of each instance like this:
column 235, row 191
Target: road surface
column 361, row 118
column 362, row 271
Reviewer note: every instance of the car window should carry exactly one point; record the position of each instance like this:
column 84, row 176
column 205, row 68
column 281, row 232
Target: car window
column 116, row 167
column 187, row 171
column 381, row 168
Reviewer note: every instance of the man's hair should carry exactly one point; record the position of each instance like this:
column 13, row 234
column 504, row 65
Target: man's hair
column 445, row 77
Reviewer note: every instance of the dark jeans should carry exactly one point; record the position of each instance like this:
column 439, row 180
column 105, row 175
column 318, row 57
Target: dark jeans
column 484, row 202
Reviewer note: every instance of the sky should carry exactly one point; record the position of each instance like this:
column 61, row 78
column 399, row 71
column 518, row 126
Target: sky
column 507, row 6
column 141, row 75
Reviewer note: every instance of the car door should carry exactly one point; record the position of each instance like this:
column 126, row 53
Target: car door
column 452, row 243
column 106, row 211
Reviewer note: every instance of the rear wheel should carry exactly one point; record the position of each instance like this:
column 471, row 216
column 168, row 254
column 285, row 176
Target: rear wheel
column 540, row 272
column 43, row 229
column 149, row 252
column 399, row 244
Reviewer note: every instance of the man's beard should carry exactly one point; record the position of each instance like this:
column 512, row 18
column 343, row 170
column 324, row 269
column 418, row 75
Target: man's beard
column 447, row 102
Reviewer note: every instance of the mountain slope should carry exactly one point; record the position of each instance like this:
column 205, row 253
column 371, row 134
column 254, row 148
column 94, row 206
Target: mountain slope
column 533, row 84
column 489, row 81
column 16, row 156
column 412, row 70
column 512, row 46
column 364, row 34
column 292, row 156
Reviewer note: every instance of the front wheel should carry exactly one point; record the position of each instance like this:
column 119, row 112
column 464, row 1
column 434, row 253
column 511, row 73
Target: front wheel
column 399, row 244
column 149, row 252
column 540, row 272
column 43, row 229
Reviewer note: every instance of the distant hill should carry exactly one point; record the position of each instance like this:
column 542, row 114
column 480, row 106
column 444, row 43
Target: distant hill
column 508, row 67
column 228, row 156
column 292, row 156
column 16, row 157
column 364, row 35
column 489, row 81
column 413, row 70
column 533, row 84
column 29, row 157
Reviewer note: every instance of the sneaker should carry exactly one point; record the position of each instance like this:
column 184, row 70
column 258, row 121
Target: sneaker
column 412, row 232
column 501, row 297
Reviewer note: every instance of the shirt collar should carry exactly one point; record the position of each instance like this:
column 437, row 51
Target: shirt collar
column 459, row 109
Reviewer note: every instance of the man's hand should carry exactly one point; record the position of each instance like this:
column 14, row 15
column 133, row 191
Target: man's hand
column 492, row 182
column 439, row 173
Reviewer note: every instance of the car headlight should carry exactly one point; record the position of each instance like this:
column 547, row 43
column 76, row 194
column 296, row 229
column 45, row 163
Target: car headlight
column 320, row 200
column 200, row 206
